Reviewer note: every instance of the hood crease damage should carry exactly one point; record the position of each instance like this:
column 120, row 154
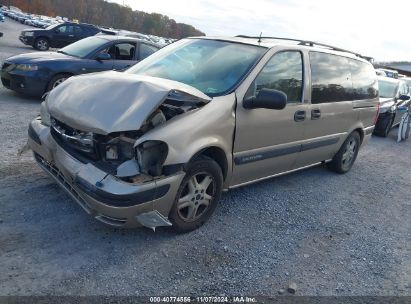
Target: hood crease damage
column 87, row 105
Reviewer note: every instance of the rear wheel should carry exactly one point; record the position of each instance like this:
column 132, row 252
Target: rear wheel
column 346, row 156
column 42, row 44
column 57, row 80
column 197, row 196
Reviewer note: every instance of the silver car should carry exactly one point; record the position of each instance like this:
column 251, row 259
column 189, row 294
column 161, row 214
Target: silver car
column 156, row 145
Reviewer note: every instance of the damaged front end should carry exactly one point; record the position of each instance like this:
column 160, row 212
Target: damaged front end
column 88, row 145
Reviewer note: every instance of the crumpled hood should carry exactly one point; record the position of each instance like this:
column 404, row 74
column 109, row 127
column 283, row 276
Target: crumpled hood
column 110, row 102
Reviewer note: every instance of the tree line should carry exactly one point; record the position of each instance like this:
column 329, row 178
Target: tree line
column 102, row 13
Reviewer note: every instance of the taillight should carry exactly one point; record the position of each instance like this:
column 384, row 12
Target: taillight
column 376, row 115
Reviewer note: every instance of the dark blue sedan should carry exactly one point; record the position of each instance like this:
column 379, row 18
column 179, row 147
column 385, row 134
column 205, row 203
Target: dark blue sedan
column 37, row 73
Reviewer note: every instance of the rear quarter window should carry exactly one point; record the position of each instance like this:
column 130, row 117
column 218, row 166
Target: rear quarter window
column 364, row 80
column 330, row 78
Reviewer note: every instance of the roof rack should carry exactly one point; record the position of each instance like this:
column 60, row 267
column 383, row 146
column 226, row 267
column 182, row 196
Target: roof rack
column 306, row 43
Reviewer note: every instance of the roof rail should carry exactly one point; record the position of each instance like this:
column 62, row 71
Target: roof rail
column 306, row 43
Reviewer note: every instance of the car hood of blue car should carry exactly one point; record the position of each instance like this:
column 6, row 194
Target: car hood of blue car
column 39, row 57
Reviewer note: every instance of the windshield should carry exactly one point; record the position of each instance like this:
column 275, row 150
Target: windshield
column 387, row 89
column 83, row 47
column 50, row 27
column 213, row 67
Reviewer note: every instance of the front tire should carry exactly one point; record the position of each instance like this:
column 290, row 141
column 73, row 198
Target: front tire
column 346, row 156
column 197, row 196
column 57, row 80
column 42, row 44
column 384, row 126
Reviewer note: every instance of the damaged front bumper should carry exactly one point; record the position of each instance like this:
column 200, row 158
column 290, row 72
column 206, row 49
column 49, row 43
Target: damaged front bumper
column 107, row 198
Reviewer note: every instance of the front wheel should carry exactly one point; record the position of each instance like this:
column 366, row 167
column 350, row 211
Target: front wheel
column 197, row 196
column 42, row 44
column 384, row 126
column 57, row 80
column 346, row 156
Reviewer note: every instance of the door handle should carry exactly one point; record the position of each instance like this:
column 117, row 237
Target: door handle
column 315, row 114
column 71, row 35
column 299, row 115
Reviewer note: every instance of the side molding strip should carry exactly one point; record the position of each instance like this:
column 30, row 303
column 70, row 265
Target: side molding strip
column 241, row 160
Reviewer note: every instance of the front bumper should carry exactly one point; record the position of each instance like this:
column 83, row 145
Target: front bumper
column 28, row 83
column 27, row 40
column 102, row 195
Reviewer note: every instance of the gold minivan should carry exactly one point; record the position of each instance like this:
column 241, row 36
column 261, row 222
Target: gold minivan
column 157, row 144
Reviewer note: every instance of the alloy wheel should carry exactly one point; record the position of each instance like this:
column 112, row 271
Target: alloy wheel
column 58, row 82
column 196, row 197
column 42, row 45
column 349, row 153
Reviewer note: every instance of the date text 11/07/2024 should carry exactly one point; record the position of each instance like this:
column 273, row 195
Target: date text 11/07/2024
column 203, row 299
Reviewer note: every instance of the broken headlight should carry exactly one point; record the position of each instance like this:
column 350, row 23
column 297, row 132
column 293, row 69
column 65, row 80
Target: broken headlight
column 120, row 148
column 151, row 156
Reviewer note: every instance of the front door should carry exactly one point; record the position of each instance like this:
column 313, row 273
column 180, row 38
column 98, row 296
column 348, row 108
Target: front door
column 124, row 55
column 267, row 141
column 64, row 35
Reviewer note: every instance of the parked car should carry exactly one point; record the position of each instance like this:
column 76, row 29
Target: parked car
column 393, row 95
column 157, row 144
column 388, row 73
column 39, row 72
column 57, row 35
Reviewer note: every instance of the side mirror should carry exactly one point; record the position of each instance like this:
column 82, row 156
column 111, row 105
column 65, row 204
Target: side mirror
column 404, row 97
column 266, row 99
column 103, row 57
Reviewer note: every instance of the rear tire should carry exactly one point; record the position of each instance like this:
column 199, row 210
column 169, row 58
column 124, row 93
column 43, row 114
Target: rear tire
column 346, row 156
column 41, row 44
column 197, row 196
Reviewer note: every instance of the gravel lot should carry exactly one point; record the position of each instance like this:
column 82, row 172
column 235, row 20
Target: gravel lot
column 330, row 234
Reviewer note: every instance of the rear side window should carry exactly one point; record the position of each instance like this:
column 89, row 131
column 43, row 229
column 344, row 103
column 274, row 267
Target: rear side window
column 330, row 78
column 283, row 72
column 364, row 80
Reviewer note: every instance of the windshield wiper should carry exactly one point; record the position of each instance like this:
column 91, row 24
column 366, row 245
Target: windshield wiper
column 61, row 52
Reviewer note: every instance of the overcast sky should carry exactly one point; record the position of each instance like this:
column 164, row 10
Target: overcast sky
column 380, row 29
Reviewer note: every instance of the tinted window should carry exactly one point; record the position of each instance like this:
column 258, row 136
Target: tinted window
column 364, row 80
column 330, row 78
column 78, row 30
column 283, row 72
column 65, row 29
column 122, row 51
column 146, row 50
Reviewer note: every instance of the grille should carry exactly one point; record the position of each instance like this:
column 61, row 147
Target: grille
column 73, row 140
column 62, row 181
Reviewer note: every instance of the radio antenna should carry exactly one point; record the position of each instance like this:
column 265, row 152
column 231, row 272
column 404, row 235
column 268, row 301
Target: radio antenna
column 259, row 38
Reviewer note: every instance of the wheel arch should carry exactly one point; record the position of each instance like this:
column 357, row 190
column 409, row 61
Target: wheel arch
column 217, row 154
column 56, row 74
column 361, row 132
